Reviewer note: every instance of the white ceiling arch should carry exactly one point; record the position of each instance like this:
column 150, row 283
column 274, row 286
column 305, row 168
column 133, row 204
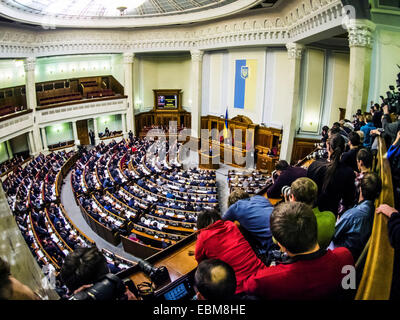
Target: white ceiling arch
column 105, row 14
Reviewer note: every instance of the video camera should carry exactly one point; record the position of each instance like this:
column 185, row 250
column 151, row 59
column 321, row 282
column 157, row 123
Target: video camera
column 112, row 287
column 109, row 287
column 319, row 154
column 392, row 97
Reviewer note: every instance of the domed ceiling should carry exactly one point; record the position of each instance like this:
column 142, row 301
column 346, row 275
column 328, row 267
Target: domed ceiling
column 122, row 13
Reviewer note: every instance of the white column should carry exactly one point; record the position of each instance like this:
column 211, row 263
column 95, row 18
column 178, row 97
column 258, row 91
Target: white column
column 123, row 120
column 9, row 149
column 360, row 43
column 96, row 133
column 75, row 131
column 128, row 89
column 293, row 87
column 196, row 73
column 30, row 88
column 32, row 150
column 44, row 139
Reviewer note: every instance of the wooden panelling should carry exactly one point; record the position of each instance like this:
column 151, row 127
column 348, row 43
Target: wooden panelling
column 301, row 148
column 82, row 129
column 265, row 140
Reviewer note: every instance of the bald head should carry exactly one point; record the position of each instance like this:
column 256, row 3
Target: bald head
column 215, row 280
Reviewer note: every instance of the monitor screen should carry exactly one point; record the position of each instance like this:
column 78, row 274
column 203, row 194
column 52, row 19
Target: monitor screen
column 177, row 293
column 167, row 101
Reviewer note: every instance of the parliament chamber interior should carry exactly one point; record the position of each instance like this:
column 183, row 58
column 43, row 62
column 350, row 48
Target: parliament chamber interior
column 200, row 150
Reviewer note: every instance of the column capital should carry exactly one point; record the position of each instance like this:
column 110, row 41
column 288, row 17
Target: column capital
column 295, row 50
column 197, row 55
column 30, row 64
column 128, row 57
column 360, row 33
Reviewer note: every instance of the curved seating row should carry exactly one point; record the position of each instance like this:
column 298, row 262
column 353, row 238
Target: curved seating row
column 111, row 184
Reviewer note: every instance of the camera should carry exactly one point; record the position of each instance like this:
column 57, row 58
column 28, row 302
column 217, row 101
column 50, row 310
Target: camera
column 157, row 275
column 319, row 154
column 392, row 99
column 286, row 191
column 109, row 287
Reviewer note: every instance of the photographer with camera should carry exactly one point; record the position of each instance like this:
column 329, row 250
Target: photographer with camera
column 86, row 274
column 335, row 179
column 390, row 128
column 284, row 176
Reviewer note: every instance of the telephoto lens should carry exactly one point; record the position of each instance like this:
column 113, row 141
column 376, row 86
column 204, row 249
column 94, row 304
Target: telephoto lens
column 157, row 275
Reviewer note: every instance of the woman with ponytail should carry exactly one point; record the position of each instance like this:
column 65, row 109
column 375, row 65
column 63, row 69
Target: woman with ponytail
column 334, row 178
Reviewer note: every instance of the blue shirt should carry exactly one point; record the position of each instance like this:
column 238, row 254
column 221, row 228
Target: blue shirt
column 253, row 215
column 367, row 137
column 354, row 228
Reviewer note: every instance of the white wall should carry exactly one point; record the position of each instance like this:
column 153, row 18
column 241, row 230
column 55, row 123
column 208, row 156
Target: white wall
column 163, row 72
column 385, row 57
column 75, row 66
column 12, row 73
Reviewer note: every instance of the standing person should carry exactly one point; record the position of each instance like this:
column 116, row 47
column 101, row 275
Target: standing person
column 355, row 225
column 285, row 175
column 335, row 179
column 350, row 157
column 377, row 115
column 389, row 128
column 92, row 138
column 367, row 131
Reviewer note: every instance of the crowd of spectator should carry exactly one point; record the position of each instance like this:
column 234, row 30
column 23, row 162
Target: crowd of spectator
column 299, row 247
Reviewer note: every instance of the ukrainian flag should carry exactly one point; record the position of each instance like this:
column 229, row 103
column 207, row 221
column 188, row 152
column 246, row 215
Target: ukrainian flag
column 245, row 84
column 226, row 124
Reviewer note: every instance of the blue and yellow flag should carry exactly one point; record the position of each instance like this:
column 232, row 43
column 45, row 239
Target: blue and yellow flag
column 226, row 124
column 245, row 84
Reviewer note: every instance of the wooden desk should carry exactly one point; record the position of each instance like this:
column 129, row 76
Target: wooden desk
column 208, row 162
column 178, row 263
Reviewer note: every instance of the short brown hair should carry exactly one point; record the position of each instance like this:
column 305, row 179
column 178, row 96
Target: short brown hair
column 236, row 195
column 305, row 190
column 368, row 118
column 294, row 226
column 371, row 186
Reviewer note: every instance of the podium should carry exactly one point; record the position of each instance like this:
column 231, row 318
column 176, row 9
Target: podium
column 208, row 162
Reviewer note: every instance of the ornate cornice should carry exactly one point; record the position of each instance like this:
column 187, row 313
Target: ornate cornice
column 197, row 55
column 294, row 50
column 297, row 21
column 30, row 64
column 360, row 34
column 128, row 57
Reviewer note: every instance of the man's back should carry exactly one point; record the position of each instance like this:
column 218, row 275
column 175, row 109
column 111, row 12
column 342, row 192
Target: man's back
column 223, row 240
column 253, row 215
column 313, row 276
column 285, row 179
column 354, row 227
column 326, row 226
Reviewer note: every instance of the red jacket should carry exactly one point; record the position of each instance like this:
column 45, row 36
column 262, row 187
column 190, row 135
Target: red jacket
column 223, row 240
column 315, row 276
